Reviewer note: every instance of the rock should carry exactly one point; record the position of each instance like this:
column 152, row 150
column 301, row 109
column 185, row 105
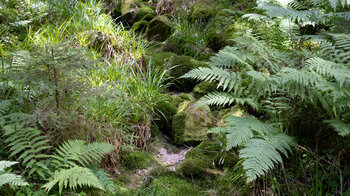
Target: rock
column 128, row 10
column 235, row 110
column 145, row 13
column 137, row 160
column 172, row 185
column 140, row 26
column 221, row 29
column 202, row 160
column 204, row 88
column 205, row 9
column 184, row 64
column 162, row 60
column 159, row 28
column 187, row 97
column 191, row 123
column 165, row 113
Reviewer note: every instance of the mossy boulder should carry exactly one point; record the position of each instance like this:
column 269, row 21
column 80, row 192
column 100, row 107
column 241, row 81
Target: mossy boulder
column 145, row 13
column 202, row 160
column 165, row 113
column 162, row 60
column 137, row 160
column 191, row 123
column 220, row 30
column 140, row 26
column 128, row 10
column 204, row 88
column 206, row 9
column 159, row 28
column 171, row 185
column 235, row 110
column 184, row 64
column 187, row 97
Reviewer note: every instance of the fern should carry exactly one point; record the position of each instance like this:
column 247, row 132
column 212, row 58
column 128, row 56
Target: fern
column 27, row 144
column 342, row 128
column 76, row 153
column 73, row 178
column 261, row 144
column 9, row 178
column 71, row 163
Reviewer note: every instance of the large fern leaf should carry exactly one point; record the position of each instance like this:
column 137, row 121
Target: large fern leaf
column 342, row 128
column 9, row 178
column 73, row 178
column 27, row 144
column 76, row 153
column 261, row 144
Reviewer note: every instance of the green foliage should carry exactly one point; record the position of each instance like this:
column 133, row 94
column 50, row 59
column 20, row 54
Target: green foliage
column 137, row 160
column 250, row 74
column 170, row 185
column 10, row 178
column 73, row 178
column 28, row 145
column 262, row 144
column 71, row 163
column 76, row 153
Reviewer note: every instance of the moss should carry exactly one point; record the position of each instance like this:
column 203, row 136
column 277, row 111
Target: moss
column 184, row 64
column 166, row 111
column 140, row 26
column 204, row 88
column 137, row 160
column 161, row 60
column 178, row 128
column 200, row 162
column 187, row 97
column 171, row 186
column 159, row 28
column 183, row 44
column 193, row 167
column 191, row 123
column 205, row 9
column 143, row 12
column 219, row 32
column 177, row 100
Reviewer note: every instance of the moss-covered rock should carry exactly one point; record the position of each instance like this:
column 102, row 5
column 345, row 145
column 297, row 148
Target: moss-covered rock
column 145, row 13
column 128, row 10
column 187, row 97
column 202, row 160
column 206, row 9
column 159, row 28
column 165, row 113
column 184, row 64
column 204, row 88
column 161, row 60
column 137, row 160
column 220, row 30
column 191, row 123
column 140, row 26
column 172, row 186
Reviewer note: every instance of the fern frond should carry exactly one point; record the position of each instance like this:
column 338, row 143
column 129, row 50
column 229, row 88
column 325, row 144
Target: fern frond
column 75, row 152
column 27, row 144
column 260, row 155
column 329, row 69
column 105, row 180
column 222, row 98
column 261, row 144
column 6, row 164
column 9, row 178
column 342, row 128
column 73, row 178
column 4, row 106
column 225, row 79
